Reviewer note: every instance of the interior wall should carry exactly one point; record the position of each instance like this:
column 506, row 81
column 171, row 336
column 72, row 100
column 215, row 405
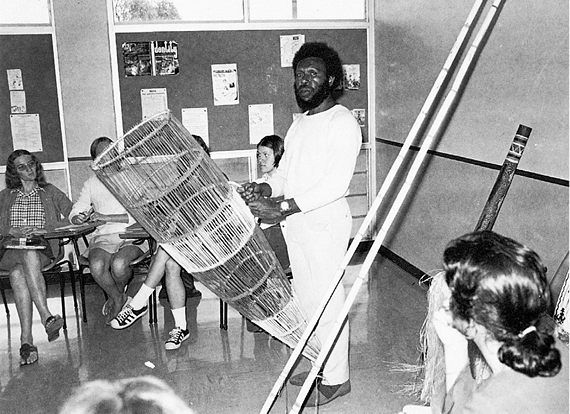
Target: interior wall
column 521, row 77
column 82, row 38
column 448, row 198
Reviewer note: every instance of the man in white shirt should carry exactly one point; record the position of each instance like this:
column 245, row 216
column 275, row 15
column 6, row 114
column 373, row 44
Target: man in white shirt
column 314, row 175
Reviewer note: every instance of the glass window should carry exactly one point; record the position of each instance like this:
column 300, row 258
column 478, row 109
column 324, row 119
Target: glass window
column 271, row 9
column 307, row 9
column 24, row 12
column 226, row 10
column 331, row 9
column 188, row 10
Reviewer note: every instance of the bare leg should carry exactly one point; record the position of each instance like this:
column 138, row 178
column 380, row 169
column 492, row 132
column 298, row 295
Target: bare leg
column 174, row 285
column 157, row 268
column 154, row 275
column 121, row 271
column 99, row 265
column 23, row 303
column 32, row 265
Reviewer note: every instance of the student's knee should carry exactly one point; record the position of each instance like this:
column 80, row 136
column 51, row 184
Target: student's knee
column 97, row 266
column 172, row 268
column 17, row 273
column 120, row 266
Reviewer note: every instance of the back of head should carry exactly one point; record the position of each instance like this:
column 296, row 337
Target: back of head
column 140, row 395
column 324, row 52
column 200, row 141
column 96, row 143
column 501, row 285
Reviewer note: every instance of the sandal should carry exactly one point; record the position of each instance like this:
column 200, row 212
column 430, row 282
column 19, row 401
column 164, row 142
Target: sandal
column 106, row 307
column 53, row 325
column 113, row 312
column 27, row 351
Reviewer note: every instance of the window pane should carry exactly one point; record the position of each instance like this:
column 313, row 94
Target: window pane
column 270, row 9
column 24, row 12
column 188, row 10
column 331, row 9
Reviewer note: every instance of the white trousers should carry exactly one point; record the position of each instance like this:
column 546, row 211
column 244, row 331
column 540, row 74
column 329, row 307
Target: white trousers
column 317, row 242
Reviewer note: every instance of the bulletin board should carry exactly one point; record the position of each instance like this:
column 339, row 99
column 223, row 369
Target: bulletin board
column 33, row 55
column 261, row 78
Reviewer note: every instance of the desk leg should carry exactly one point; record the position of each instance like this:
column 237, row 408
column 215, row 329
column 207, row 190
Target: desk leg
column 81, row 282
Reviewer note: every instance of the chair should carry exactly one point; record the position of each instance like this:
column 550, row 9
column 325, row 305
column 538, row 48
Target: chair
column 54, row 267
column 139, row 264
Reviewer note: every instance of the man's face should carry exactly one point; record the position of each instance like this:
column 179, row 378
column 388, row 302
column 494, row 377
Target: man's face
column 312, row 85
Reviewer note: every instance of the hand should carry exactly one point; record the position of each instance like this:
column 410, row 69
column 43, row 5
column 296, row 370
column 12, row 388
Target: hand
column 266, row 209
column 249, row 192
column 19, row 231
column 449, row 336
column 83, row 217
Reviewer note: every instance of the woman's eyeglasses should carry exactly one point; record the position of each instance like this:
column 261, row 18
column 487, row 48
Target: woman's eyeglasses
column 23, row 167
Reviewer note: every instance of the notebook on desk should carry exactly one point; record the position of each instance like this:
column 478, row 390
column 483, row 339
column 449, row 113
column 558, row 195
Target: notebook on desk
column 26, row 243
column 135, row 227
column 84, row 226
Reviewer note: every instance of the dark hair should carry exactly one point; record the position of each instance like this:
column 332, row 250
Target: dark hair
column 501, row 285
column 13, row 179
column 328, row 55
column 275, row 142
column 141, row 395
column 200, row 141
column 95, row 143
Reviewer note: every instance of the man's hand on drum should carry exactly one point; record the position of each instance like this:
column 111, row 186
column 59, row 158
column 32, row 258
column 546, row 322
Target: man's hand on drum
column 266, row 209
column 250, row 192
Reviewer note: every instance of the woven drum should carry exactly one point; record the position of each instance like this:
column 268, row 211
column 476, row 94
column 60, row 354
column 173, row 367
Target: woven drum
column 178, row 194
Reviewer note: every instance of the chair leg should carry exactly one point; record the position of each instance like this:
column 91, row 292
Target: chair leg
column 4, row 300
column 72, row 281
column 82, row 294
column 153, row 308
column 223, row 315
column 62, row 293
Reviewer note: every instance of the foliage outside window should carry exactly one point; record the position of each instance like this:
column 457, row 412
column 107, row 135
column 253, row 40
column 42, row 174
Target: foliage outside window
column 233, row 10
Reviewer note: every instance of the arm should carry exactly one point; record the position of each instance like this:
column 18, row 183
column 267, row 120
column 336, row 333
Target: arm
column 82, row 208
column 57, row 207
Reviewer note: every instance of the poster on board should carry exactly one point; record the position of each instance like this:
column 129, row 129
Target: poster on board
column 225, row 84
column 26, row 132
column 156, row 58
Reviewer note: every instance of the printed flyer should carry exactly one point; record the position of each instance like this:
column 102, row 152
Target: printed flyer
column 225, row 84
column 156, row 58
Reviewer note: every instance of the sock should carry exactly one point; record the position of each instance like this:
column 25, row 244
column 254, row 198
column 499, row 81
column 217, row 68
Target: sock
column 141, row 298
column 180, row 317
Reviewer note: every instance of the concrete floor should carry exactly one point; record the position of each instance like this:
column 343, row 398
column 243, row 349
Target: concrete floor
column 218, row 371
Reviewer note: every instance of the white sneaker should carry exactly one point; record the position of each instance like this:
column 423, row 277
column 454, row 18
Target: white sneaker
column 177, row 336
column 128, row 316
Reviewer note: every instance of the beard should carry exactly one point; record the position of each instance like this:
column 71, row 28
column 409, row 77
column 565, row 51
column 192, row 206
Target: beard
column 318, row 97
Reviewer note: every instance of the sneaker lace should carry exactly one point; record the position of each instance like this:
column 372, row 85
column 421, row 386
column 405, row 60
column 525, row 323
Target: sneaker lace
column 124, row 314
column 175, row 335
